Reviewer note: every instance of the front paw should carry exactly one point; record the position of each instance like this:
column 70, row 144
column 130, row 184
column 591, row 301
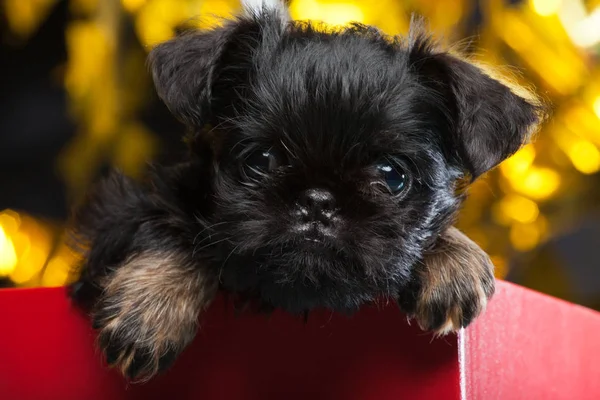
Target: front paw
column 453, row 304
column 136, row 341
column 148, row 312
column 452, row 286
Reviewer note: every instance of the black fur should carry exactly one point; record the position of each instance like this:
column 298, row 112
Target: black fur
column 329, row 105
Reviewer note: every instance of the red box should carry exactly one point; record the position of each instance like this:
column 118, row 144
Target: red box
column 526, row 346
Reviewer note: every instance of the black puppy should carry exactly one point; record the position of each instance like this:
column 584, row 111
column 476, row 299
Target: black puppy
column 325, row 170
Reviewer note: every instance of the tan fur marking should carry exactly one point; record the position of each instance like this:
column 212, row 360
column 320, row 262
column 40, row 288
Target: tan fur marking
column 455, row 273
column 151, row 304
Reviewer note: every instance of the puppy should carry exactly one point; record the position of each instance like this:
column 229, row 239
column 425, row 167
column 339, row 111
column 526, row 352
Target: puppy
column 325, row 169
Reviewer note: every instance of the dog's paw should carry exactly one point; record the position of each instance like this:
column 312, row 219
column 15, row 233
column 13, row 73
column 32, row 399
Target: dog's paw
column 136, row 341
column 142, row 334
column 453, row 285
column 453, row 303
column 148, row 313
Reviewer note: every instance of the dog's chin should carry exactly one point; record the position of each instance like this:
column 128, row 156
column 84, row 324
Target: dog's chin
column 309, row 273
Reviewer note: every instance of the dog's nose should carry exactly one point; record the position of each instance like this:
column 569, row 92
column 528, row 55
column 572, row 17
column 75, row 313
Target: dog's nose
column 317, row 204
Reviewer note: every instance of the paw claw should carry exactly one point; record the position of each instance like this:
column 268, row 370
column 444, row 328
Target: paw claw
column 451, row 287
column 449, row 311
column 133, row 348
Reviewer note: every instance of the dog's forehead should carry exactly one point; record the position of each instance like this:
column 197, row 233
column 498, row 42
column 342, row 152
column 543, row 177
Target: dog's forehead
column 336, row 93
column 351, row 67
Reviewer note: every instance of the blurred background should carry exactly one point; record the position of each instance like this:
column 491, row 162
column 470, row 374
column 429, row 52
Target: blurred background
column 76, row 99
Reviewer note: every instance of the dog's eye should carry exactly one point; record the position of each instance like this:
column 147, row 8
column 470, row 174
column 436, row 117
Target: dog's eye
column 261, row 162
column 394, row 176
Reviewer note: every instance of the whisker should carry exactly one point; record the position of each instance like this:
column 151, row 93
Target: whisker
column 290, row 152
column 209, row 227
column 225, row 262
column 208, row 245
column 350, row 151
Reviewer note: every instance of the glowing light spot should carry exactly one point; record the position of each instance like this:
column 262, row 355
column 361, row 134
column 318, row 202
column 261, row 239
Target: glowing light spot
column 8, row 257
column 524, row 237
column 519, row 162
column 517, row 34
column 132, row 5
column 209, row 13
column 136, row 145
column 596, row 106
column 30, row 265
column 330, row 13
column 10, row 220
column 537, row 183
column 32, row 244
column 340, row 14
column 585, row 157
column 541, row 183
column 519, row 208
column 56, row 272
column 155, row 22
column 546, row 8
column 581, row 25
column 25, row 16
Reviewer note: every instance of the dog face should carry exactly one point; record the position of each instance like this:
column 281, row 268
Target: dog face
column 331, row 172
column 336, row 156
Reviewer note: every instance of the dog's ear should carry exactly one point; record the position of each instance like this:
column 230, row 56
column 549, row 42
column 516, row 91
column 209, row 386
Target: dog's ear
column 197, row 71
column 186, row 68
column 490, row 118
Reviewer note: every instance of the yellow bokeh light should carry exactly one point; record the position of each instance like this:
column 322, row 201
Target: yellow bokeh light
column 557, row 63
column 330, row 13
column 517, row 33
column 60, row 269
column 57, row 272
column 8, row 257
column 519, row 162
column 132, row 5
column 340, row 14
column 136, row 146
column 25, row 16
column 537, row 183
column 30, row 264
column 580, row 22
column 10, row 220
column 585, row 157
column 524, row 237
column 24, row 247
column 499, row 216
column 596, row 106
column 519, row 208
column 156, row 21
column 546, row 7
column 85, row 67
column 210, row 13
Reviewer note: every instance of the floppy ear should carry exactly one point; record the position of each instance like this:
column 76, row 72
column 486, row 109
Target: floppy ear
column 198, row 72
column 490, row 119
column 186, row 68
